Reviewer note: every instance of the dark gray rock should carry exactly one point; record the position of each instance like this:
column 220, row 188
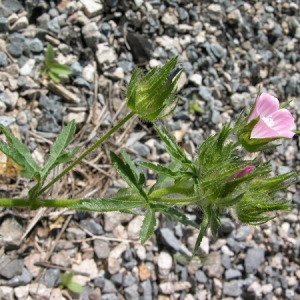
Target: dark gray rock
column 117, row 279
column 92, row 226
column 51, row 278
column 169, row 239
column 22, row 279
column 242, row 233
column 226, row 261
column 253, row 259
column 141, row 149
column 3, row 24
column 10, row 268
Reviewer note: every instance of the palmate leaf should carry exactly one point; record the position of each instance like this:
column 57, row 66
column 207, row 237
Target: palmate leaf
column 172, row 147
column 108, row 204
column 19, row 153
column 129, row 173
column 148, row 225
column 57, row 154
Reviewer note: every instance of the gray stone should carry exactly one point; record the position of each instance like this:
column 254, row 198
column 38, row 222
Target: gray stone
column 13, row 5
column 3, row 24
column 131, row 292
column 106, row 56
column 101, row 249
column 51, row 278
column 254, row 258
column 147, row 290
column 91, row 34
column 36, row 46
column 201, row 277
column 109, row 287
column 110, row 296
column 129, row 280
column 141, row 149
column 232, row 288
column 3, row 59
column 10, row 268
column 22, row 279
column 169, row 239
column 76, row 68
column 242, row 233
column 54, row 26
column 226, row 261
column 213, row 266
column 232, row 274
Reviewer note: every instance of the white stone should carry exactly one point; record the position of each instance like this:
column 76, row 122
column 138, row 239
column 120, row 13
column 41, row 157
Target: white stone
column 165, row 41
column 86, row 266
column 21, row 292
column 195, row 79
column 92, row 8
column 27, row 67
column 134, row 228
column 79, row 117
column 6, row 292
column 169, row 18
column 164, row 263
column 88, row 73
column 106, row 56
column 138, row 3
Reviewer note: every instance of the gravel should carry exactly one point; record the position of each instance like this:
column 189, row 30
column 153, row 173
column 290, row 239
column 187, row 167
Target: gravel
column 227, row 50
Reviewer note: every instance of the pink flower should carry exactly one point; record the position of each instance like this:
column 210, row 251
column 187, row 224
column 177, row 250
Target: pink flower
column 242, row 172
column 273, row 122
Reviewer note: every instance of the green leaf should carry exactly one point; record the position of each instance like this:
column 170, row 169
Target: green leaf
column 49, row 55
column 172, row 147
column 75, row 287
column 129, row 174
column 59, row 69
column 56, row 155
column 173, row 213
column 19, row 153
column 54, row 77
column 66, row 279
column 159, row 169
column 108, row 204
column 148, row 225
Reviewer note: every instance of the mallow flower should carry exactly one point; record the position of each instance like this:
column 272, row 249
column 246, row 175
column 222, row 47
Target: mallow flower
column 273, row 121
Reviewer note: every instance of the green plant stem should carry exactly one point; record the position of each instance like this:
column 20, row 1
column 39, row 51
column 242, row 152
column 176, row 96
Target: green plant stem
column 86, row 152
column 25, row 202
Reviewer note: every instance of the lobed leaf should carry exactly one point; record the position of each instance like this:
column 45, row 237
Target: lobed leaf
column 148, row 225
column 56, row 155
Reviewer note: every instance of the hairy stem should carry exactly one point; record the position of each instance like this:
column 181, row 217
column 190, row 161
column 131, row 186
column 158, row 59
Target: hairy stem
column 86, row 152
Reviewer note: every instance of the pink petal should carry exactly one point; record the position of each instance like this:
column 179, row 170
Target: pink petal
column 283, row 120
column 261, row 130
column 264, row 106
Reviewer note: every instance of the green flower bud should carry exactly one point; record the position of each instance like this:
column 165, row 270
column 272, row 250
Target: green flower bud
column 153, row 96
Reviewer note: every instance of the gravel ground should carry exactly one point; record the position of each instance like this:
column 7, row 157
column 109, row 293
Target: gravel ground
column 228, row 49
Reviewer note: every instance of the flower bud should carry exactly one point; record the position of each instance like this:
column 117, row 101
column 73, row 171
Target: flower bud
column 152, row 96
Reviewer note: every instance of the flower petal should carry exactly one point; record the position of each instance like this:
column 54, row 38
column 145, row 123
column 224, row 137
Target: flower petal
column 283, row 120
column 261, row 131
column 264, row 106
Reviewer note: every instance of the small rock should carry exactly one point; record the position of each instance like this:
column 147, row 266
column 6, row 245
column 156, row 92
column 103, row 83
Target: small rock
column 144, row 272
column 22, row 292
column 28, row 67
column 101, row 249
column 164, row 263
column 86, row 266
column 232, row 288
column 112, row 219
column 36, row 46
column 62, row 258
column 6, row 293
column 213, row 266
column 253, row 259
column 201, row 277
column 232, row 274
column 92, row 8
column 106, row 56
column 3, row 59
column 131, row 292
column 21, row 23
column 10, row 268
column 169, row 18
column 51, row 278
column 134, row 228
column 91, row 34
column 39, row 291
column 11, row 232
